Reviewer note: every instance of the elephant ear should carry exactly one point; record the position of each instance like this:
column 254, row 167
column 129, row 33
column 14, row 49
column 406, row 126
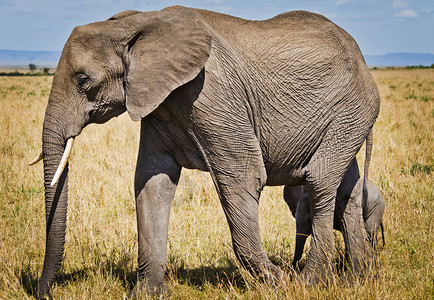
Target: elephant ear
column 168, row 51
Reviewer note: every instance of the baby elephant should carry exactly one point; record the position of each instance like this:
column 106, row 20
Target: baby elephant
column 373, row 209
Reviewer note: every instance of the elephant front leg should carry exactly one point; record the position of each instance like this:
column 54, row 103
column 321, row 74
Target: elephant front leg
column 155, row 183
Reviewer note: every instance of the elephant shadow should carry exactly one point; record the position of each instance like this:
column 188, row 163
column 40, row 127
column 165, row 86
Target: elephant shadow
column 341, row 263
column 231, row 275
column 227, row 274
column 223, row 276
column 29, row 280
column 110, row 267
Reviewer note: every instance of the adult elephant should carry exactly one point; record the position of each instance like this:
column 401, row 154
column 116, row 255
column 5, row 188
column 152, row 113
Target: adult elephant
column 284, row 101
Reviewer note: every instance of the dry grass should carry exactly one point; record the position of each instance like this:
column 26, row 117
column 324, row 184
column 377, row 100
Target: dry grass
column 101, row 249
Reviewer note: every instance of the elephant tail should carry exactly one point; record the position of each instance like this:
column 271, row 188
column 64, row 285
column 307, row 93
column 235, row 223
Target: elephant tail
column 368, row 152
column 369, row 141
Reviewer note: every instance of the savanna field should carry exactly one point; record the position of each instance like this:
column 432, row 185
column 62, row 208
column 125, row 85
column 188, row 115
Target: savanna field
column 100, row 259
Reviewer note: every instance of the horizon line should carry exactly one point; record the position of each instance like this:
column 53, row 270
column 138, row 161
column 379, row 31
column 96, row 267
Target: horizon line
column 398, row 52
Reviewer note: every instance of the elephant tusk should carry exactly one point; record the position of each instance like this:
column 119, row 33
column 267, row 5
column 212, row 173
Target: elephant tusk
column 36, row 159
column 63, row 161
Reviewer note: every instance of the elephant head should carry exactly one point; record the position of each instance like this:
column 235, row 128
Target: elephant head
column 130, row 62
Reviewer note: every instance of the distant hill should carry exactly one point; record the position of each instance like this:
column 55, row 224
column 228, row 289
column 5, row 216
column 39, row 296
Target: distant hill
column 50, row 59
column 18, row 58
column 399, row 59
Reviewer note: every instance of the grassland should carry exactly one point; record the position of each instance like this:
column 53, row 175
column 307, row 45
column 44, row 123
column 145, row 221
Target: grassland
column 101, row 250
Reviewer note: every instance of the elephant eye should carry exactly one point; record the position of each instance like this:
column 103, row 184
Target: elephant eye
column 82, row 80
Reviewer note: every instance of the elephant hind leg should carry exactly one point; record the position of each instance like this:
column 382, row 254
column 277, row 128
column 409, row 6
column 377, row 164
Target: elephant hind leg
column 320, row 258
column 234, row 158
column 324, row 173
column 357, row 245
column 241, row 210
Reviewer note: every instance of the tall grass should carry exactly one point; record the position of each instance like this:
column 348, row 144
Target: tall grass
column 100, row 259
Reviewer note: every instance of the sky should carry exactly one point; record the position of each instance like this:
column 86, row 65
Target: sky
column 378, row 26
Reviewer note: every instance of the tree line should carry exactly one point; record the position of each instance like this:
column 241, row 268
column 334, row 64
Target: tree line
column 32, row 67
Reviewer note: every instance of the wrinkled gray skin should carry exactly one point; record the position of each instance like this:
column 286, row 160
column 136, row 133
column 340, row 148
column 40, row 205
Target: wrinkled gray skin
column 373, row 206
column 284, row 101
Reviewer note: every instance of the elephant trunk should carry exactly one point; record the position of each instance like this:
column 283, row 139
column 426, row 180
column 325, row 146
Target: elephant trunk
column 56, row 196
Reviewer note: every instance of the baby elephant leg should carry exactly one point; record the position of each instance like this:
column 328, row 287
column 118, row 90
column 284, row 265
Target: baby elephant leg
column 297, row 201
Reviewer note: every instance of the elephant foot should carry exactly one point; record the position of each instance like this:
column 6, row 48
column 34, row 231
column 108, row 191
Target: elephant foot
column 315, row 279
column 266, row 271
column 362, row 269
column 272, row 275
column 361, row 258
column 360, row 265
column 317, row 275
column 143, row 289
